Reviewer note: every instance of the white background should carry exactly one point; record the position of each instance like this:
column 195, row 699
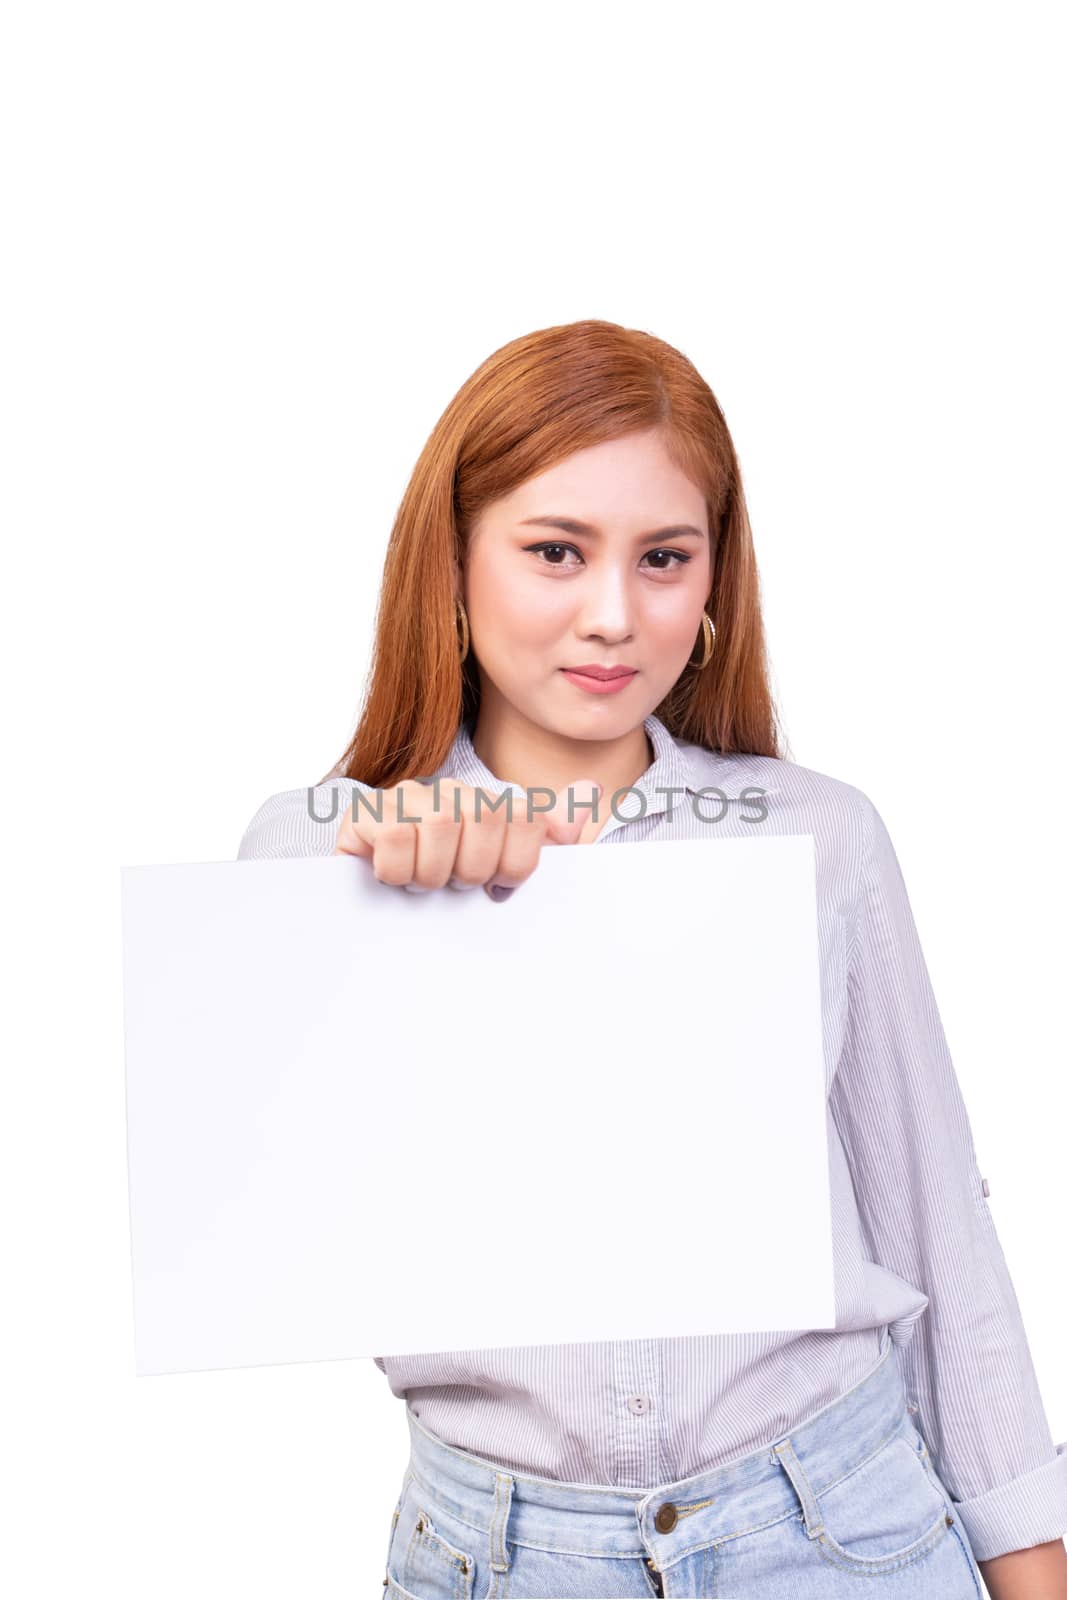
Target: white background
column 250, row 253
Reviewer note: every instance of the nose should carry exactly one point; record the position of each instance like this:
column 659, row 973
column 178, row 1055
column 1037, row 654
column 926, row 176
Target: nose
column 607, row 606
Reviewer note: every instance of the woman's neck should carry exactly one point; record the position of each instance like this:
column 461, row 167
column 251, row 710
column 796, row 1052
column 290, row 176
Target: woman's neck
column 519, row 751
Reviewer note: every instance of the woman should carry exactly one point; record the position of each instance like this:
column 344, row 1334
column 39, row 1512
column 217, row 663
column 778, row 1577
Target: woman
column 570, row 600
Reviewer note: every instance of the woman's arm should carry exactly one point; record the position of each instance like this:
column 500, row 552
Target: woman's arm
column 298, row 822
column 1036, row 1574
column 901, row 1117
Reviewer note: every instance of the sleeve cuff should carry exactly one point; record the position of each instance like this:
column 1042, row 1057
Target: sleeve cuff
column 1029, row 1510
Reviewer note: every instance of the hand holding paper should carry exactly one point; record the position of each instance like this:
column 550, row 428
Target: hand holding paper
column 455, row 835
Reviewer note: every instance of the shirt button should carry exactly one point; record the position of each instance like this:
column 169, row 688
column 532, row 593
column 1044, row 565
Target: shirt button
column 666, row 1517
column 985, row 1186
column 638, row 1403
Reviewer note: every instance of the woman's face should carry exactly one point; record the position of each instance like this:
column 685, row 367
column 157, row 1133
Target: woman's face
column 604, row 560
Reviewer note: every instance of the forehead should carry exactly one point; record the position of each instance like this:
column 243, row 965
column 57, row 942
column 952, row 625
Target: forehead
column 631, row 479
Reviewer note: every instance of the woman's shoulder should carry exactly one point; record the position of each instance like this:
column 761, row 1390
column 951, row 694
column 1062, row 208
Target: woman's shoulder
column 789, row 782
column 844, row 821
column 840, row 816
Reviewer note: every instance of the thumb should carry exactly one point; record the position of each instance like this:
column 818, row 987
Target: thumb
column 559, row 829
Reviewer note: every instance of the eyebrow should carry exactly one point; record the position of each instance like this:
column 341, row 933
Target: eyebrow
column 572, row 525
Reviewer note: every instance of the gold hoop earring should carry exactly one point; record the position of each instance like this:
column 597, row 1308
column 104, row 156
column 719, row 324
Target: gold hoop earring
column 708, row 629
column 465, row 633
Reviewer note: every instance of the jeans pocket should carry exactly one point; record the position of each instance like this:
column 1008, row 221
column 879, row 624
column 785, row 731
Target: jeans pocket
column 885, row 1514
column 434, row 1566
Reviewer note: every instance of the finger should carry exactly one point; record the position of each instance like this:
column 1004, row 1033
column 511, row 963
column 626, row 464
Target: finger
column 481, row 837
column 585, row 804
column 519, row 855
column 436, row 843
column 349, row 841
column 394, row 852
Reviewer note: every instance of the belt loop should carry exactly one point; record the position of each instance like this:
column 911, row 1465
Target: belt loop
column 799, row 1479
column 498, row 1548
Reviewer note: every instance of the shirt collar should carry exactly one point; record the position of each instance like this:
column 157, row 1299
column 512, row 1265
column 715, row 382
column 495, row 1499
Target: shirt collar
column 673, row 769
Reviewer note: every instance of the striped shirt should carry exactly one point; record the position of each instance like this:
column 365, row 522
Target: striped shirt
column 916, row 1255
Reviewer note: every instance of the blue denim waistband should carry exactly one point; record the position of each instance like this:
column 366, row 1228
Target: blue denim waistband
column 592, row 1519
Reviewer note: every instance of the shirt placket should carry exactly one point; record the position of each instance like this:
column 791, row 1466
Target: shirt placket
column 638, row 1398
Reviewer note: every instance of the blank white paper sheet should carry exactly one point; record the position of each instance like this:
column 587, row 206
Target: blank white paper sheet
column 365, row 1122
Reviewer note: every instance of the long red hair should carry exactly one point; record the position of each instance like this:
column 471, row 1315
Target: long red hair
column 530, row 404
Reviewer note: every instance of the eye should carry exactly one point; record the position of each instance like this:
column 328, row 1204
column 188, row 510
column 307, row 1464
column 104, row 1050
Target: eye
column 680, row 557
column 677, row 555
column 542, row 549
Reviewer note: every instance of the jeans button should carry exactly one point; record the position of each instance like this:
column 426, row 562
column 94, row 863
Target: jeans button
column 666, row 1517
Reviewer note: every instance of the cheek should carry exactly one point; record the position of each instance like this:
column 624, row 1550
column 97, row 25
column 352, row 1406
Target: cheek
column 517, row 613
column 672, row 620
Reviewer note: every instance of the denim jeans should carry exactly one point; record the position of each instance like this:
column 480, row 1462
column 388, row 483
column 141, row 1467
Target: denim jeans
column 850, row 1494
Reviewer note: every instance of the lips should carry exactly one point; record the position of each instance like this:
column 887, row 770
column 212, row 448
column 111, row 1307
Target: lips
column 603, row 673
column 600, row 680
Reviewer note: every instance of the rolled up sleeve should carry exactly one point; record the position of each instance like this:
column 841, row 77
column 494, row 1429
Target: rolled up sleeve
column 924, row 1205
